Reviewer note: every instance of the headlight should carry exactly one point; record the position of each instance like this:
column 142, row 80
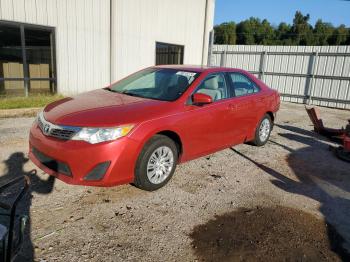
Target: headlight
column 99, row 135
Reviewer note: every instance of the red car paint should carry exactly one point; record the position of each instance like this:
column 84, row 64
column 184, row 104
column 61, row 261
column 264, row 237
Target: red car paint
column 201, row 129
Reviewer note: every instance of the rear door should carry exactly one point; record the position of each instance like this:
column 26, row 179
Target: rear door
column 246, row 97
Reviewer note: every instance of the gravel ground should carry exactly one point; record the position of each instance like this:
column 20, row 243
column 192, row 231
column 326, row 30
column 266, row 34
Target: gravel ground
column 287, row 200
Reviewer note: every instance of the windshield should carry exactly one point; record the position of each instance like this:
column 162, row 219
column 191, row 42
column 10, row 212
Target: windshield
column 156, row 83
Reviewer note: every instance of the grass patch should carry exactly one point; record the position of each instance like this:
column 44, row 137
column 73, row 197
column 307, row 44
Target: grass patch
column 28, row 102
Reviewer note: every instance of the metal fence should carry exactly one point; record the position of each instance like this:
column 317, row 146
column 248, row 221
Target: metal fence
column 318, row 75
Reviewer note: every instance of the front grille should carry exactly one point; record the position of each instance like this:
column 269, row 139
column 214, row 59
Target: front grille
column 51, row 163
column 60, row 132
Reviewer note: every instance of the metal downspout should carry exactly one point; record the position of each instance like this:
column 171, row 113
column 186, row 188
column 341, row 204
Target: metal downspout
column 205, row 31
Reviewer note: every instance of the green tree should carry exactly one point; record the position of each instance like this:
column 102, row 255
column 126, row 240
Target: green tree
column 246, row 31
column 323, row 32
column 253, row 31
column 339, row 36
column 301, row 30
column 266, row 33
column 283, row 34
column 225, row 33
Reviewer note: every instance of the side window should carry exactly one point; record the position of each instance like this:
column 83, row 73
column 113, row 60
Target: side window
column 215, row 86
column 242, row 85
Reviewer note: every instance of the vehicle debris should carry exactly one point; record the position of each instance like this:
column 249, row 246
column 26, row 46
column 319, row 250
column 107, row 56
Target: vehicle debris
column 343, row 152
column 331, row 133
column 341, row 136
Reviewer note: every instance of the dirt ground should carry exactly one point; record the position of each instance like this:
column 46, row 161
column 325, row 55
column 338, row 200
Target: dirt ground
column 288, row 200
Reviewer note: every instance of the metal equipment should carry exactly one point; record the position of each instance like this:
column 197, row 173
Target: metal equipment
column 343, row 152
column 12, row 225
column 341, row 136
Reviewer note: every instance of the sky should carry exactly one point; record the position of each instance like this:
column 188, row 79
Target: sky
column 334, row 11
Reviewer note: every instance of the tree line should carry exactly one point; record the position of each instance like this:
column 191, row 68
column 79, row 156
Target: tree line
column 255, row 31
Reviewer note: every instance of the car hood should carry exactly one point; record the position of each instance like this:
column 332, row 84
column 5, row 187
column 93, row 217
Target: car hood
column 102, row 108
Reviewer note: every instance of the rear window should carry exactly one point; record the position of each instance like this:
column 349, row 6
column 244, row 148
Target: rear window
column 242, row 85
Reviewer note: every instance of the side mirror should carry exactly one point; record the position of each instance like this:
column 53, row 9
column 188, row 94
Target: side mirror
column 201, row 99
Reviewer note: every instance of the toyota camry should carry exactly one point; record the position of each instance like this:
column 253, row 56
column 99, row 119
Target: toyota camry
column 138, row 129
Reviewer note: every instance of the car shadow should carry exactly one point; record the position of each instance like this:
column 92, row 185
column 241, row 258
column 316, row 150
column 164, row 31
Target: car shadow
column 298, row 130
column 321, row 177
column 308, row 133
column 14, row 169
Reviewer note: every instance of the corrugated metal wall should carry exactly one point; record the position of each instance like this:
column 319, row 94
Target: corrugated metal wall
column 84, row 56
column 139, row 24
column 312, row 74
column 82, row 38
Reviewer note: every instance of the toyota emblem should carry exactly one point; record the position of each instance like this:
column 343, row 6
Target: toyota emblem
column 46, row 129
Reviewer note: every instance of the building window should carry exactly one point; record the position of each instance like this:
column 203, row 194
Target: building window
column 27, row 59
column 168, row 54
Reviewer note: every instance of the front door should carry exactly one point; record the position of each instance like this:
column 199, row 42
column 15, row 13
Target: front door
column 208, row 128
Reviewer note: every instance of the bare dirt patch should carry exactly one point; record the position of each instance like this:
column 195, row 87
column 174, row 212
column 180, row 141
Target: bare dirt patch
column 267, row 234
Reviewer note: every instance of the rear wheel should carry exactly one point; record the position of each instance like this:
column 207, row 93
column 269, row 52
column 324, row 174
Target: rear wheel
column 263, row 131
column 156, row 163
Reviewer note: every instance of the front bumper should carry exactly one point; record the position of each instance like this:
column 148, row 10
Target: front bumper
column 81, row 158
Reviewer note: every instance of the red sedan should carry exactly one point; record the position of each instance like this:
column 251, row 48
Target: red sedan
column 139, row 128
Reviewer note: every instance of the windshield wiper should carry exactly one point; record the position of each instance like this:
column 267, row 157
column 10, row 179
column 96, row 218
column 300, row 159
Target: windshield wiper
column 126, row 92
column 109, row 89
column 123, row 92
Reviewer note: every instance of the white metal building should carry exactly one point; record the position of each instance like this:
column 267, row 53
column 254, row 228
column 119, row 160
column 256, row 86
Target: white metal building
column 77, row 45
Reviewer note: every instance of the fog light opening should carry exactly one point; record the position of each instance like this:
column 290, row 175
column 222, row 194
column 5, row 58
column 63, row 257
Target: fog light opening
column 98, row 172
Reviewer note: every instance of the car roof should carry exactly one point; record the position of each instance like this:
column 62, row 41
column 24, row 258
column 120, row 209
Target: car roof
column 199, row 68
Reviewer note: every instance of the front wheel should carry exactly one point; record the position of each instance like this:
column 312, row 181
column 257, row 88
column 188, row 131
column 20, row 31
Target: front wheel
column 156, row 163
column 263, row 131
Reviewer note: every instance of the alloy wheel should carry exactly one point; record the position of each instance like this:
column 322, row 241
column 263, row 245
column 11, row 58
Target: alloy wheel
column 160, row 164
column 264, row 130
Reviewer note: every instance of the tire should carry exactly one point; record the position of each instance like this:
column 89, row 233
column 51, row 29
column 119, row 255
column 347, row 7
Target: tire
column 149, row 178
column 263, row 131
